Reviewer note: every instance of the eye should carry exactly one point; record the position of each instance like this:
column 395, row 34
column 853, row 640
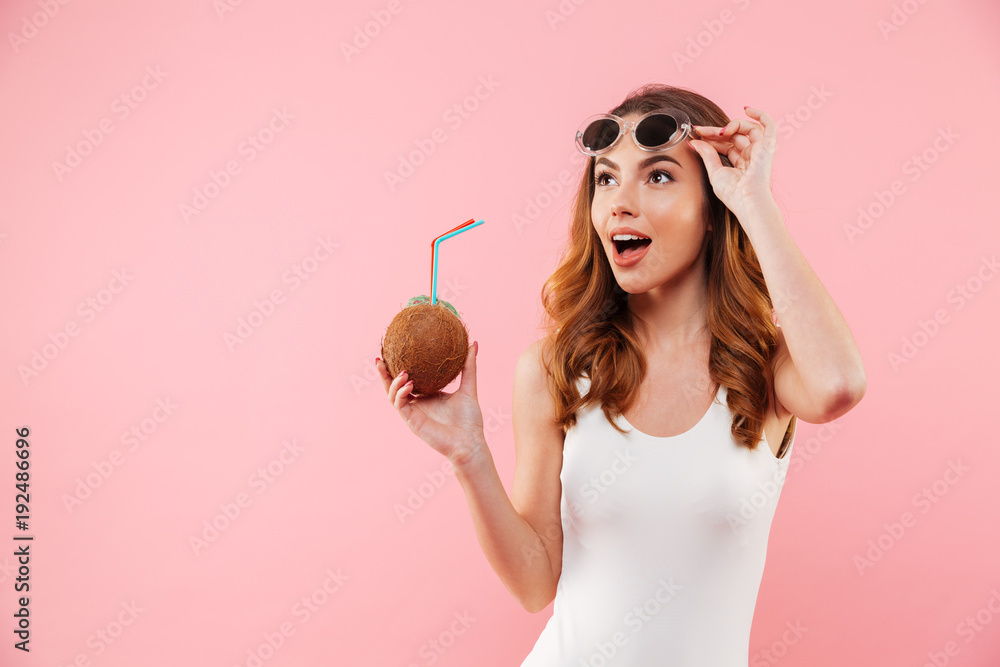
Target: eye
column 599, row 179
column 656, row 173
column 662, row 173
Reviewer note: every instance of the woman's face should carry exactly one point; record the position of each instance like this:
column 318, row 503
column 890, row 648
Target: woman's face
column 659, row 195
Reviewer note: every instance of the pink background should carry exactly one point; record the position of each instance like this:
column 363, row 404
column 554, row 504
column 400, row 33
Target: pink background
column 855, row 108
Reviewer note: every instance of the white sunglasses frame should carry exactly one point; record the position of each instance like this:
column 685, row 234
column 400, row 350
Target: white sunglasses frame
column 680, row 118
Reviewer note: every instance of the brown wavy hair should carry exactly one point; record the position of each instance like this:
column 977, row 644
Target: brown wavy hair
column 592, row 331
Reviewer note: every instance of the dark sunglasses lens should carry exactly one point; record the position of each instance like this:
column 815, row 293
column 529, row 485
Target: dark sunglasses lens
column 600, row 134
column 656, row 130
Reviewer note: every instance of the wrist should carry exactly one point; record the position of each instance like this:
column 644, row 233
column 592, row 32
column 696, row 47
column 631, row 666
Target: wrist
column 758, row 207
column 470, row 456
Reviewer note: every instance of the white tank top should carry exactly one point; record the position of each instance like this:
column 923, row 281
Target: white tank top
column 664, row 541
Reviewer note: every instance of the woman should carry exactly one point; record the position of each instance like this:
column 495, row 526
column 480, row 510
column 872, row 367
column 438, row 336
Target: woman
column 641, row 512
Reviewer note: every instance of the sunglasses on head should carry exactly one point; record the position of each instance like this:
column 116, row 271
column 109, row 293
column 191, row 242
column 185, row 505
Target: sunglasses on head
column 655, row 131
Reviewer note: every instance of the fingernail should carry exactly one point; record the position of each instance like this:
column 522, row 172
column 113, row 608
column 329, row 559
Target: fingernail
column 476, row 344
column 401, row 373
column 722, row 131
column 376, row 361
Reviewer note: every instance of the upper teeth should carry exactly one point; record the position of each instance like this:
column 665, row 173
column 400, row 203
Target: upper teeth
column 627, row 237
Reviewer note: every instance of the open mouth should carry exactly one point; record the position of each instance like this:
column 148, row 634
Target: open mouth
column 628, row 248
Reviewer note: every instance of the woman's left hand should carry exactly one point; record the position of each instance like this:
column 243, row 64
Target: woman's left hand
column 750, row 148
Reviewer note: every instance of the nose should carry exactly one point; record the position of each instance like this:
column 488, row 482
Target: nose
column 624, row 201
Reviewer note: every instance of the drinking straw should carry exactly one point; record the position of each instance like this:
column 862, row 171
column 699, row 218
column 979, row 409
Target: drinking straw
column 464, row 227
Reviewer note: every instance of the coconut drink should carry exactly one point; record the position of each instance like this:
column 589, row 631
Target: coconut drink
column 429, row 341
column 427, row 338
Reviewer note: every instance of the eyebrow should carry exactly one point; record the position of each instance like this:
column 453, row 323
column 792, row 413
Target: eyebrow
column 642, row 165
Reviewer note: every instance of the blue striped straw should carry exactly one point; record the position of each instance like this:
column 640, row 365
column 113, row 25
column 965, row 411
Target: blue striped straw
column 434, row 252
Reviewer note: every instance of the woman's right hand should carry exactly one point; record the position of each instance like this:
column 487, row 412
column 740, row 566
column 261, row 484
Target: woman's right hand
column 450, row 423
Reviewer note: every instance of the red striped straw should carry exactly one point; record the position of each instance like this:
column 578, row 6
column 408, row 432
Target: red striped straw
column 434, row 246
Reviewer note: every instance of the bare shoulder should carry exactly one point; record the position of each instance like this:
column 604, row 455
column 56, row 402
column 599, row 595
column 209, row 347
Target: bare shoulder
column 532, row 365
column 533, row 403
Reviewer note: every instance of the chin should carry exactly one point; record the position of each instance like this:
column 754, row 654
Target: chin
column 632, row 284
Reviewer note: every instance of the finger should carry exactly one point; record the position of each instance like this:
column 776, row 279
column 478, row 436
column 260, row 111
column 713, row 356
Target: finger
column 403, row 398
column 741, row 141
column 737, row 150
column 748, row 127
column 383, row 374
column 468, row 385
column 711, row 131
column 383, row 371
column 396, row 383
column 709, row 155
column 770, row 127
column 740, row 157
column 736, row 158
column 770, row 130
column 762, row 115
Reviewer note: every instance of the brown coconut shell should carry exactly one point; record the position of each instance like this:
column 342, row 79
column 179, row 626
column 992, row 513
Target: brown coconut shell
column 428, row 341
